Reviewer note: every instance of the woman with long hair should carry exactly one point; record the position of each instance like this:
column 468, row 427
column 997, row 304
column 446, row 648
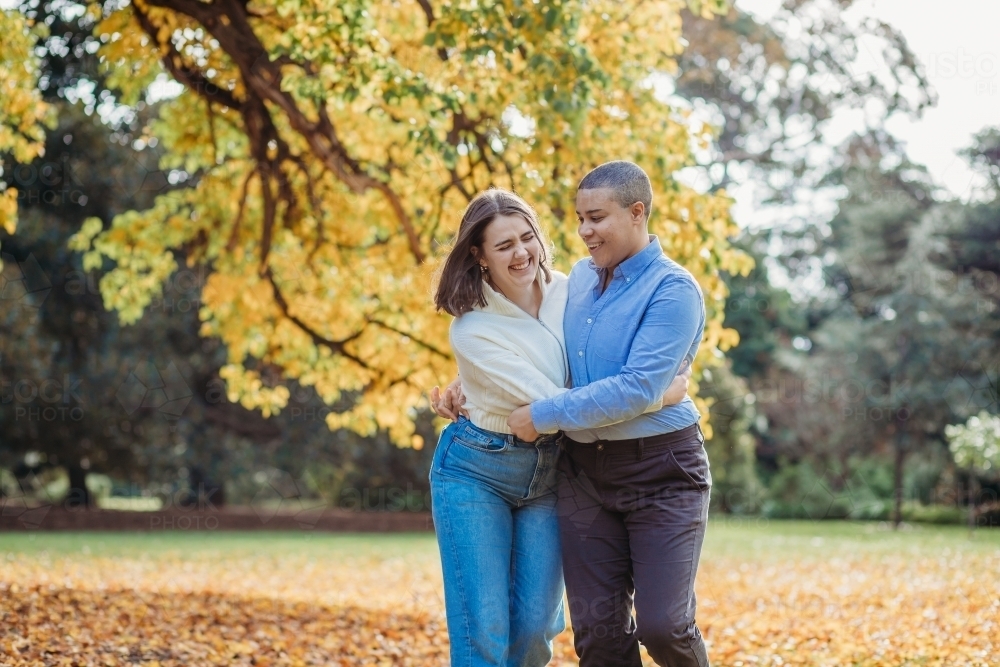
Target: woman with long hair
column 493, row 495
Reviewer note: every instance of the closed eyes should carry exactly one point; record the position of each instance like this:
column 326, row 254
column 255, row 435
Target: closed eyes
column 506, row 244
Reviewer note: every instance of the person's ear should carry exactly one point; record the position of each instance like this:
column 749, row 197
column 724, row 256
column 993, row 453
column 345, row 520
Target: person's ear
column 476, row 255
column 638, row 212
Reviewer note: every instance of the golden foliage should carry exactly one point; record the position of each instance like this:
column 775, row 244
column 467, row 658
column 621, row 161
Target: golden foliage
column 314, row 606
column 23, row 115
column 333, row 145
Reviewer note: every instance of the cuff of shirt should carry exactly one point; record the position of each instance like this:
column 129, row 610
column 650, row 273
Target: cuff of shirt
column 543, row 416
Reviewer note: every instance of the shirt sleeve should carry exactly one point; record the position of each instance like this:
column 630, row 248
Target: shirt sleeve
column 665, row 335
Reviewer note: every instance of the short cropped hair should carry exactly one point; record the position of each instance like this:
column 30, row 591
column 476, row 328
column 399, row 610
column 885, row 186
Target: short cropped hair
column 626, row 179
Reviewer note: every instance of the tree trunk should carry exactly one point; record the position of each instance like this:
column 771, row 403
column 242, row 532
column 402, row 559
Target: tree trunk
column 897, row 496
column 79, row 496
column 973, row 499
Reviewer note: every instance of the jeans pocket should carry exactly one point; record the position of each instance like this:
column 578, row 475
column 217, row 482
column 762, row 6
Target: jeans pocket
column 474, row 453
column 481, row 440
column 479, row 446
column 692, row 463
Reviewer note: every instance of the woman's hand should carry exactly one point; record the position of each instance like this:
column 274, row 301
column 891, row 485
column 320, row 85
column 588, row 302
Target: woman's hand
column 449, row 403
column 678, row 389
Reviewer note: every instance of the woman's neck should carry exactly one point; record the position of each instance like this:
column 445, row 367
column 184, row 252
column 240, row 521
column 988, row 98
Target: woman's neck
column 528, row 299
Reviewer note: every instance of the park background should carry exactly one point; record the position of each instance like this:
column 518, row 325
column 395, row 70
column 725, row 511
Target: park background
column 219, row 225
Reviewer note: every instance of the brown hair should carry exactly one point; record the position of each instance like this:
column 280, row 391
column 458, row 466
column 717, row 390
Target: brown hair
column 460, row 287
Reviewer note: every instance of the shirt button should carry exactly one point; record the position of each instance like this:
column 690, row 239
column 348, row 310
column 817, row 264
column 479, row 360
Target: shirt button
column 600, row 448
column 628, row 280
column 580, row 353
column 589, row 320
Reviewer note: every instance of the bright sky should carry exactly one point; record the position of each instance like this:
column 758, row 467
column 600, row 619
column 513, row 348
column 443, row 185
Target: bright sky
column 958, row 45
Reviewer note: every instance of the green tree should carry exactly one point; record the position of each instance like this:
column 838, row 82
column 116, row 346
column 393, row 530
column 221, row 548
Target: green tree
column 975, row 446
column 772, row 87
column 896, row 328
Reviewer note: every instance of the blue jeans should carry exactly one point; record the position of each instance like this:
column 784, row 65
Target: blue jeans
column 494, row 506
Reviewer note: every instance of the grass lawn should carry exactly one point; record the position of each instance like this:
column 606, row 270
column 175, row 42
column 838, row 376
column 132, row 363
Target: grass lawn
column 727, row 537
column 769, row 593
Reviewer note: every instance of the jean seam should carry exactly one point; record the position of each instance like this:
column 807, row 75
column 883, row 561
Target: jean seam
column 510, row 595
column 693, row 573
column 461, row 586
column 533, row 484
column 446, row 444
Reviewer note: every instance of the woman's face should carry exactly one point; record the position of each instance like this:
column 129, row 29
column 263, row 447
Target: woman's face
column 510, row 252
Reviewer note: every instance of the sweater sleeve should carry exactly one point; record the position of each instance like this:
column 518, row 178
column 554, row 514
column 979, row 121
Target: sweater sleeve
column 493, row 365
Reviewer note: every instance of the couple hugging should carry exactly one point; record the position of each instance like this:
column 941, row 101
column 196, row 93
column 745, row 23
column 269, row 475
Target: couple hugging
column 577, row 452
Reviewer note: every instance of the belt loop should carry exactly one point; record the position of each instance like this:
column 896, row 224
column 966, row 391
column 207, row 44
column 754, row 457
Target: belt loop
column 641, row 443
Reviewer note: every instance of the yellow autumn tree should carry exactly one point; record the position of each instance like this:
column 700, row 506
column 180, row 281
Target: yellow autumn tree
column 23, row 115
column 327, row 149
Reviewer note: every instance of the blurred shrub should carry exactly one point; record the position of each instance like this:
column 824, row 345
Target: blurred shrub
column 736, row 488
column 943, row 514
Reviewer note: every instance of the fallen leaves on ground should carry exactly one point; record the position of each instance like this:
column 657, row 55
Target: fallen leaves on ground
column 191, row 610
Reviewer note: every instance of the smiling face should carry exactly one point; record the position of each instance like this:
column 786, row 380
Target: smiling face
column 510, row 251
column 612, row 233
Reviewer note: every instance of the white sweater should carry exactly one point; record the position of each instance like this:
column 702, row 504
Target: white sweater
column 507, row 358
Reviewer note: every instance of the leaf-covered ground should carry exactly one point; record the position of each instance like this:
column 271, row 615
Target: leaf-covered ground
column 777, row 594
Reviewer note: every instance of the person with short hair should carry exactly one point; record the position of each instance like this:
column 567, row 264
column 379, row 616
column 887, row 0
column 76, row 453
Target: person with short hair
column 634, row 485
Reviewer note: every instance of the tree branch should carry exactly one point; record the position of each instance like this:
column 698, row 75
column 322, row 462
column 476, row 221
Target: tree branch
column 262, row 81
column 317, row 338
column 234, row 234
column 421, row 343
column 173, row 60
column 428, row 11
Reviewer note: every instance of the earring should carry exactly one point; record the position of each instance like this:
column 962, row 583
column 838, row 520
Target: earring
column 483, row 269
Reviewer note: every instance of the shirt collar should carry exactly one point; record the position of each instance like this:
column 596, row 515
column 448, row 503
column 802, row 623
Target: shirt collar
column 638, row 262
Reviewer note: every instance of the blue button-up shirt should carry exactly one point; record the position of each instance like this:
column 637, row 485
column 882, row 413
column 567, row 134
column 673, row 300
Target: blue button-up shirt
column 625, row 346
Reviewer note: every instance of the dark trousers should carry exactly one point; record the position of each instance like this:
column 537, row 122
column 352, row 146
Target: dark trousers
column 632, row 518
